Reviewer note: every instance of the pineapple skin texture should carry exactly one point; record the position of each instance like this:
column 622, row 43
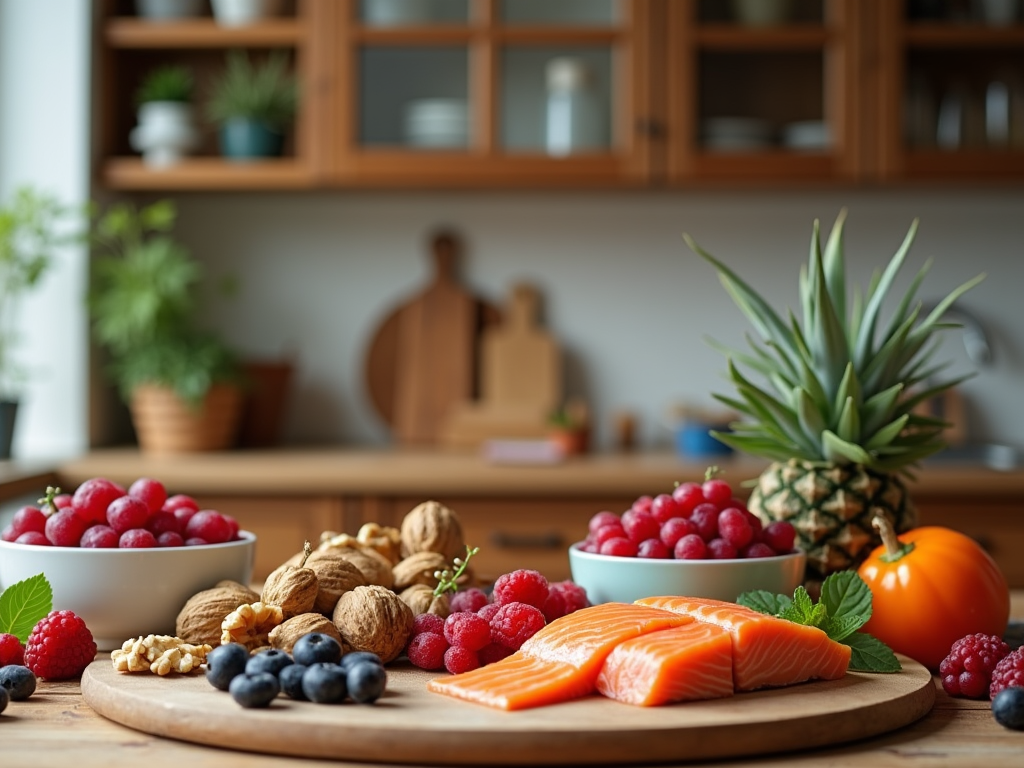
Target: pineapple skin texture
column 831, row 508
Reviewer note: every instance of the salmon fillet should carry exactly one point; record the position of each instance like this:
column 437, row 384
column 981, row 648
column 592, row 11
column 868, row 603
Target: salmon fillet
column 766, row 651
column 685, row 663
column 560, row 662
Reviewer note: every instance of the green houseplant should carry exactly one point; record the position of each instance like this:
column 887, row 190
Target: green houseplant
column 143, row 300
column 29, row 232
column 253, row 104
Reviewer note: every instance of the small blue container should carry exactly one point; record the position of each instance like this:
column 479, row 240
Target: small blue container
column 694, row 441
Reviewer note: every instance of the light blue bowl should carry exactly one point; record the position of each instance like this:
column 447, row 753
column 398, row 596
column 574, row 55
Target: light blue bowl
column 694, row 440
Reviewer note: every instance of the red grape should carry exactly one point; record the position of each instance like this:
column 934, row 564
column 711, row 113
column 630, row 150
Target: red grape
column 137, row 538
column 717, row 491
column 643, row 504
column 602, row 518
column 126, row 513
column 639, row 525
column 92, row 498
column 652, row 549
column 691, row 547
column 734, row 527
column 150, row 492
column 65, row 528
column 619, row 546
column 99, row 537
column 664, row 507
column 779, row 535
column 210, row 525
column 705, row 517
column 673, row 530
column 721, row 549
column 688, row 496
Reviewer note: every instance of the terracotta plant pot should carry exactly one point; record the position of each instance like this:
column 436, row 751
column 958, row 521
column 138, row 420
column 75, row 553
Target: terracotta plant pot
column 166, row 424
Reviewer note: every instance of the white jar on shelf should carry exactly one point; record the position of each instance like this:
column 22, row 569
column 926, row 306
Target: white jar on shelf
column 575, row 122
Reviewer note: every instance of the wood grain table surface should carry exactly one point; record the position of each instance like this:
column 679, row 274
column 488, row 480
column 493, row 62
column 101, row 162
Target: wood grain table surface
column 55, row 727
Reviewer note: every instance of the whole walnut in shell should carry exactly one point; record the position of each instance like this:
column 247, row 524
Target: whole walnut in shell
column 420, row 599
column 292, row 588
column 374, row 566
column 374, row 619
column 199, row 620
column 284, row 636
column 335, row 576
column 419, row 568
column 432, row 527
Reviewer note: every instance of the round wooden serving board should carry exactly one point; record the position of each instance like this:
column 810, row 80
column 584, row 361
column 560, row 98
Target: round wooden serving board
column 410, row 725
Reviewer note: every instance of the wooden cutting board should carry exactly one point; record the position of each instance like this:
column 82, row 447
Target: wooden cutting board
column 410, row 725
column 423, row 358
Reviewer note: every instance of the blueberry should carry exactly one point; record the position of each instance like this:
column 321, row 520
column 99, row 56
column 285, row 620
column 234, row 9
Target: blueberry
column 18, row 681
column 291, row 681
column 324, row 684
column 4, row 697
column 224, row 663
column 1008, row 708
column 349, row 660
column 272, row 661
column 366, row 681
column 316, row 648
column 253, row 691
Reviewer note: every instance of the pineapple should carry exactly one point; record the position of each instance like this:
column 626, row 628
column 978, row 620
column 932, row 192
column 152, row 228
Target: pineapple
column 836, row 410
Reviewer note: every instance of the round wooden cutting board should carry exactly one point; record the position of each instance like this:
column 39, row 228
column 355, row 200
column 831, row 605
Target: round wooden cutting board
column 410, row 725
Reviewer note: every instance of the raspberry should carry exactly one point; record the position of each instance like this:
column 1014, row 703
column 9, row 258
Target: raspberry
column 65, row 528
column 60, row 646
column 427, row 622
column 471, row 599
column 575, row 595
column 967, row 668
column 458, row 660
column 521, row 586
column 488, row 611
column 493, row 652
column 1008, row 673
column 99, row 537
column 467, row 630
column 427, row 650
column 11, row 650
column 515, row 623
column 92, row 498
column 555, row 606
column 779, row 535
column 210, row 525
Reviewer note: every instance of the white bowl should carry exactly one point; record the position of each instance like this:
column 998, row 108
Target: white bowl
column 123, row 593
column 625, row 579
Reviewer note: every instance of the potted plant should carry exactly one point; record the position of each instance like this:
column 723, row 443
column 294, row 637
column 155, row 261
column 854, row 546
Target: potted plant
column 182, row 384
column 166, row 129
column 28, row 236
column 253, row 104
column 242, row 13
column 163, row 11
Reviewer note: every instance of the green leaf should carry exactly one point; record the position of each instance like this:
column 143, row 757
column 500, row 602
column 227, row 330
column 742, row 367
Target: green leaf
column 801, row 611
column 840, row 628
column 23, row 604
column 762, row 601
column 871, row 655
column 845, row 593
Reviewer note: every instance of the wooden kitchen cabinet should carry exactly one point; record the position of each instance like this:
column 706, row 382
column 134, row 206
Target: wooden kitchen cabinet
column 688, row 93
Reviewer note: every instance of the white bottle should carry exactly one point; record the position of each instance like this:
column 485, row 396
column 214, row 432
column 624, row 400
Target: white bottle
column 574, row 119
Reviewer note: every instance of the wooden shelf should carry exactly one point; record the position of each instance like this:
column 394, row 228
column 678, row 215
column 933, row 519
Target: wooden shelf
column 728, row 37
column 126, row 33
column 129, row 173
column 963, row 36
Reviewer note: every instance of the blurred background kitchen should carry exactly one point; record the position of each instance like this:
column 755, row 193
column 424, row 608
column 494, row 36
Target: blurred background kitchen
column 698, row 117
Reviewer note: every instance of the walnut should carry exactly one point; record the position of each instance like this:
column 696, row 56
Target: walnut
column 159, row 654
column 432, row 527
column 383, row 539
column 374, row 619
column 200, row 618
column 419, row 568
column 250, row 625
column 374, row 567
column 294, row 588
column 284, row 635
column 420, row 599
column 335, row 576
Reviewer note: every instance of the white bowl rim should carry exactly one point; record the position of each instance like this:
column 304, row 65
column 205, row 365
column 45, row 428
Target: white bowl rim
column 244, row 538
column 663, row 562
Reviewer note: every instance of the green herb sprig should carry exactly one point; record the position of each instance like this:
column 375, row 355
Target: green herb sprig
column 446, row 579
column 24, row 604
column 843, row 608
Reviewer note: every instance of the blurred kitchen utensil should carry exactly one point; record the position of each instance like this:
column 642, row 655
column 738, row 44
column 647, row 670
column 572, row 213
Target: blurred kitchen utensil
column 423, row 357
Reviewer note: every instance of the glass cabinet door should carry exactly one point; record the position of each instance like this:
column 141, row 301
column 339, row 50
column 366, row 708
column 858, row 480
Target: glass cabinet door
column 492, row 92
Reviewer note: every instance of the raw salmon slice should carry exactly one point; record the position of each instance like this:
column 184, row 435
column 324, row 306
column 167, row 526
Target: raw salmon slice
column 766, row 651
column 560, row 662
column 685, row 663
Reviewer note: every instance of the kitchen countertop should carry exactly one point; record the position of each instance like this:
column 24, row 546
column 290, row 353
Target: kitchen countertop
column 55, row 727
column 334, row 471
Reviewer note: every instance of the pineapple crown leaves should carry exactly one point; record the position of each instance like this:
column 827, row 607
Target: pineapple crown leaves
column 843, row 385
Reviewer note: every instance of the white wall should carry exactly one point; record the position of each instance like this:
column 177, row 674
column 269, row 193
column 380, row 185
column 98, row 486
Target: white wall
column 629, row 302
column 44, row 141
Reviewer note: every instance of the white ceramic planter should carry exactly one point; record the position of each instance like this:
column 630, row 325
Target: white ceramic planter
column 165, row 134
column 168, row 10
column 242, row 13
column 396, row 13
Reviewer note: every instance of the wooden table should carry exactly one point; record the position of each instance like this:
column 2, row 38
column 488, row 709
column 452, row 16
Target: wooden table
column 55, row 727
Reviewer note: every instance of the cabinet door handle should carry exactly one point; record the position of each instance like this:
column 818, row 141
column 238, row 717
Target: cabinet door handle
column 550, row 540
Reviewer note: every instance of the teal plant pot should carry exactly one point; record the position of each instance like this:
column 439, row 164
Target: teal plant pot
column 8, row 410
column 242, row 139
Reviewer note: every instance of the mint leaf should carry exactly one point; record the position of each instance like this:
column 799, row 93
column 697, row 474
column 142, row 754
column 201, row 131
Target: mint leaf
column 845, row 593
column 23, row 604
column 802, row 609
column 763, row 601
column 842, row 627
column 871, row 655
